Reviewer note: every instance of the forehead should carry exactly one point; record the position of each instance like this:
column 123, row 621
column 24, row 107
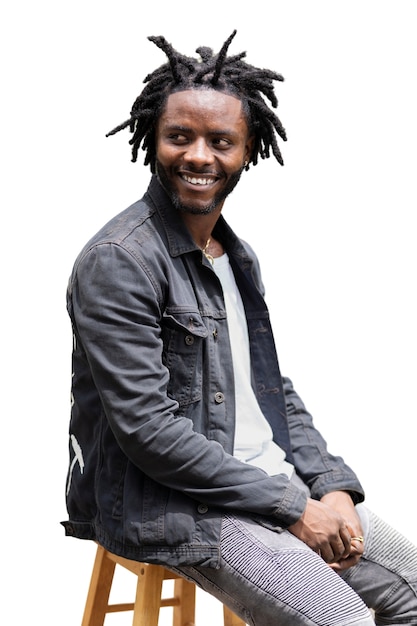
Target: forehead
column 204, row 105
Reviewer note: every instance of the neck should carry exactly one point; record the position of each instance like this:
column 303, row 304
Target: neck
column 201, row 231
column 201, row 226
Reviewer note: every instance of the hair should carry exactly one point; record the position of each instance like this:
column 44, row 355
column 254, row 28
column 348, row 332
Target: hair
column 228, row 74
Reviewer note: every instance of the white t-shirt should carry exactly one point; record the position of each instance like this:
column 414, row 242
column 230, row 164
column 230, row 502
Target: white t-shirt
column 253, row 436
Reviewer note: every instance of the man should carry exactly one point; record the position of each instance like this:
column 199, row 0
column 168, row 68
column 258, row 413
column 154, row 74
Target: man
column 187, row 446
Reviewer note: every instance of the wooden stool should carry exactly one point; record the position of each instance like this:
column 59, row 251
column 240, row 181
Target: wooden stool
column 148, row 594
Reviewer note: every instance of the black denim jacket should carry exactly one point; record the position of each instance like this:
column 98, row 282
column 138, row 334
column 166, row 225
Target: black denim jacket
column 153, row 414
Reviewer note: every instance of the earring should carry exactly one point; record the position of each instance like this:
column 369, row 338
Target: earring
column 246, row 163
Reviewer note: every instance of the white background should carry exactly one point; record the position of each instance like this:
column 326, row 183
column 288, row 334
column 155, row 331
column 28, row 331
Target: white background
column 334, row 229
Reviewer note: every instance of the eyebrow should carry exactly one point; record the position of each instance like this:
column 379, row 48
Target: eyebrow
column 216, row 132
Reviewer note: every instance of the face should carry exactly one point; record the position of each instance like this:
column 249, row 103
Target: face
column 202, row 143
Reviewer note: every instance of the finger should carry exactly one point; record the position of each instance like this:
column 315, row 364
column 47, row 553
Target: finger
column 346, row 538
column 340, row 550
column 341, row 545
column 344, row 564
column 327, row 554
column 358, row 539
column 356, row 546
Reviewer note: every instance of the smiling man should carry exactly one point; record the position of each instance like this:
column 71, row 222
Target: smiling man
column 196, row 453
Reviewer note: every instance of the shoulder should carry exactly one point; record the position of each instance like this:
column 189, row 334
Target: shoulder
column 122, row 225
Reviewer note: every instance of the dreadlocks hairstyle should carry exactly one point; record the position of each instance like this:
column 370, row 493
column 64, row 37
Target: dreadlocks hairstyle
column 229, row 74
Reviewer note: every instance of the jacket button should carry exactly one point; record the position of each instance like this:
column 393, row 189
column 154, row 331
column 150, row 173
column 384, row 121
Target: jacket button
column 202, row 508
column 189, row 340
column 219, row 397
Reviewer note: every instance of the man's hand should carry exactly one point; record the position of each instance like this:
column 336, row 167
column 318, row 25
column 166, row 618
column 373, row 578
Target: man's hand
column 341, row 502
column 324, row 530
column 328, row 527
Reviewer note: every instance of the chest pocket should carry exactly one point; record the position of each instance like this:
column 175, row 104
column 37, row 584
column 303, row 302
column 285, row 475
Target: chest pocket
column 184, row 334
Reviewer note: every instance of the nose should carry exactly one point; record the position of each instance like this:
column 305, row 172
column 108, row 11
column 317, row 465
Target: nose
column 199, row 153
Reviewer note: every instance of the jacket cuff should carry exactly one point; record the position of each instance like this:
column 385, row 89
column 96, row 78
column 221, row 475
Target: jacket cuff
column 338, row 481
column 292, row 506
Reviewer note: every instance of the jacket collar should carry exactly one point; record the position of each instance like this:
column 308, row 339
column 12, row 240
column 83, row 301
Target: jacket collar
column 178, row 237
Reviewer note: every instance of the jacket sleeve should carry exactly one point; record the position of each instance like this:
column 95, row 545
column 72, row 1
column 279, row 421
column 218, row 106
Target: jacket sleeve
column 319, row 469
column 115, row 309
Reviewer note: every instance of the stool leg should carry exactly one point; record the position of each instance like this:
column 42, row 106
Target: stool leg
column 148, row 596
column 99, row 590
column 231, row 619
column 184, row 611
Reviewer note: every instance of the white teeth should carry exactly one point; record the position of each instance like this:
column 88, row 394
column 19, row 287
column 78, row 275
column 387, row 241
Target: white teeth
column 198, row 181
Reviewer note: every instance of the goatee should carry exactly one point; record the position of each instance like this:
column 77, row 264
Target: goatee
column 189, row 207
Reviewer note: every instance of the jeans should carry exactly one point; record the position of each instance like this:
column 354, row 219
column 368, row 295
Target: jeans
column 270, row 578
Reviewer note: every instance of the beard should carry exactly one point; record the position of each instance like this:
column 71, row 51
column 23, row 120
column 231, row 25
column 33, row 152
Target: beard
column 190, row 208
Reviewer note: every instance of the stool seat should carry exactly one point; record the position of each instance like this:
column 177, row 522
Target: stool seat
column 148, row 599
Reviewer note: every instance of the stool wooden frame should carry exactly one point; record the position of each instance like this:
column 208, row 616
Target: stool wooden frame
column 148, row 594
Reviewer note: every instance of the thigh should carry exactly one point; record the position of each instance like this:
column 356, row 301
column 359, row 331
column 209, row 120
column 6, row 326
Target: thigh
column 268, row 577
column 386, row 575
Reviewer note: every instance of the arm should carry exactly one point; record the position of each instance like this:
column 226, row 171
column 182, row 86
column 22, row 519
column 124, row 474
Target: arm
column 320, row 470
column 330, row 519
column 116, row 314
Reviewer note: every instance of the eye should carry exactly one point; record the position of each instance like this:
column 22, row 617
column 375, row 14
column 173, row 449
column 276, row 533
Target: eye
column 177, row 138
column 221, row 142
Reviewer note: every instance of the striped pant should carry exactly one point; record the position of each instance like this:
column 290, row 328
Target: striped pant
column 270, row 578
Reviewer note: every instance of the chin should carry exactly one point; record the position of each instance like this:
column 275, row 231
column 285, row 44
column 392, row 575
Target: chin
column 192, row 208
column 196, row 208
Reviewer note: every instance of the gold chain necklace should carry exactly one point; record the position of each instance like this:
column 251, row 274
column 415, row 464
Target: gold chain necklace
column 206, row 254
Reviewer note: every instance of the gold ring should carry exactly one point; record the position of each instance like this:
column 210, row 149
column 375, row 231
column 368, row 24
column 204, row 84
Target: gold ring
column 360, row 538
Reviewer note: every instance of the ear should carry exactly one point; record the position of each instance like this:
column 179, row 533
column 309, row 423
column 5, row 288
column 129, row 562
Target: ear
column 248, row 148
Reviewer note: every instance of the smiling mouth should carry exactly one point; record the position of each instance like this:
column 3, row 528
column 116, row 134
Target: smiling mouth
column 194, row 180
